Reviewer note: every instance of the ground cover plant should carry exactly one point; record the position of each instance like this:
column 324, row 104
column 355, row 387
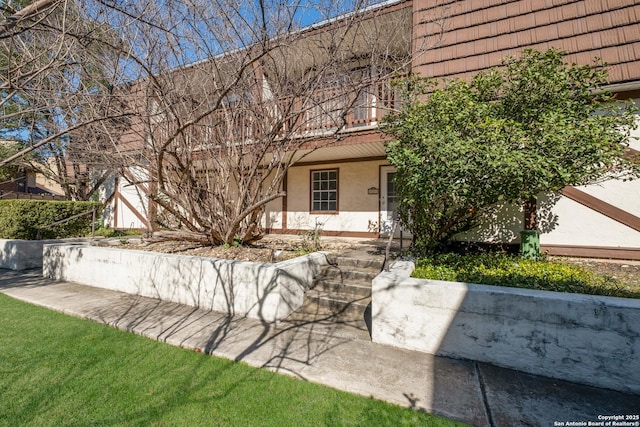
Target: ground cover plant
column 508, row 270
column 60, row 370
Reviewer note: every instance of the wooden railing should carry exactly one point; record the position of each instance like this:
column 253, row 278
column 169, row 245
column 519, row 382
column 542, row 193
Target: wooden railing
column 29, row 196
column 328, row 109
column 332, row 108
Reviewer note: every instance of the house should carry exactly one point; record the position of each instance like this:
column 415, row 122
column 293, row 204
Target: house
column 23, row 181
column 341, row 181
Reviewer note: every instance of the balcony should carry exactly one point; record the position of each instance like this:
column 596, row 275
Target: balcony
column 327, row 111
column 333, row 109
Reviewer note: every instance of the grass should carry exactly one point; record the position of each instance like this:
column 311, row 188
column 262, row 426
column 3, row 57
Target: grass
column 57, row 370
column 507, row 270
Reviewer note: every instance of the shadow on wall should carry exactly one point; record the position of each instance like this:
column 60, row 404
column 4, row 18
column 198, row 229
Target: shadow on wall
column 504, row 223
column 234, row 290
column 261, row 291
column 578, row 338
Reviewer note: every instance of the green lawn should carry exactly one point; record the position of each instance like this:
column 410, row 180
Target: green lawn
column 59, row 370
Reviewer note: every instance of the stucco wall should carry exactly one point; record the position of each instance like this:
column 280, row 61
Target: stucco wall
column 576, row 224
column 564, row 221
column 136, row 198
column 261, row 291
column 358, row 210
column 581, row 338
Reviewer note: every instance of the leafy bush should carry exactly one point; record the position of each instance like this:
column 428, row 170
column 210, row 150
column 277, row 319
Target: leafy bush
column 26, row 219
column 505, row 270
column 531, row 127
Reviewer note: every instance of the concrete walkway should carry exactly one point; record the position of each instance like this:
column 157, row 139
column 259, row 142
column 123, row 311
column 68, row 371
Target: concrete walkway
column 472, row 392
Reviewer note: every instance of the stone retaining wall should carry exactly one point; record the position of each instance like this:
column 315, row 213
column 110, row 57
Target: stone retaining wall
column 581, row 338
column 262, row 291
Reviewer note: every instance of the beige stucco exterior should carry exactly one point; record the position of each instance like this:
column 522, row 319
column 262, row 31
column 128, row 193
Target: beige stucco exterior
column 566, row 222
column 358, row 210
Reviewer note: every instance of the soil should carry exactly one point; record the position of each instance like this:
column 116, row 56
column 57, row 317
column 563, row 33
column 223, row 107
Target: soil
column 269, row 249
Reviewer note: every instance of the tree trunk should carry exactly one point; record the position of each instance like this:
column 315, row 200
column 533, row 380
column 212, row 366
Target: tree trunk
column 530, row 214
column 530, row 238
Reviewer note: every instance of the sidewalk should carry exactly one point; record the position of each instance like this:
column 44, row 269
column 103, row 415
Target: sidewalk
column 472, row 392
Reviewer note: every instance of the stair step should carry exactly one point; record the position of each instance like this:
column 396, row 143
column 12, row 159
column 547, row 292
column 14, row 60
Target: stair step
column 314, row 318
column 335, row 285
column 340, row 302
column 374, row 264
column 332, row 327
column 348, row 274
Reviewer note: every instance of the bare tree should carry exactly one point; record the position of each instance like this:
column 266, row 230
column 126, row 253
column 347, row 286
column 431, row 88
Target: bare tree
column 218, row 98
column 56, row 90
column 230, row 97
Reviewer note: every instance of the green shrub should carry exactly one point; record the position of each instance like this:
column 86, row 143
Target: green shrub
column 25, row 219
column 505, row 270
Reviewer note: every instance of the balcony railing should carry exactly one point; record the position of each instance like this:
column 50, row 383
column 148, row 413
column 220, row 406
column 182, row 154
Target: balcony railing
column 328, row 110
column 331, row 108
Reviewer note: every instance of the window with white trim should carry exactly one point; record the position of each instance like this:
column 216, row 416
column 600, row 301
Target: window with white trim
column 324, row 190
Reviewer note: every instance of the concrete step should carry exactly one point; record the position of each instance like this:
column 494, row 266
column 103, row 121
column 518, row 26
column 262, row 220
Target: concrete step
column 339, row 302
column 372, row 263
column 314, row 318
column 346, row 274
column 357, row 289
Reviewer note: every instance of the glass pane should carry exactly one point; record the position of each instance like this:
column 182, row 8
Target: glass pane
column 333, row 206
column 332, row 185
column 332, row 195
column 316, row 185
column 316, row 196
column 324, row 206
column 316, row 206
column 324, row 185
column 333, row 175
column 391, row 189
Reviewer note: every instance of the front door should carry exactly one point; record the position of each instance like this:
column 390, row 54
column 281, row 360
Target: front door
column 388, row 202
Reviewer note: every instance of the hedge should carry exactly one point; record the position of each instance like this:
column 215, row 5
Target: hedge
column 23, row 219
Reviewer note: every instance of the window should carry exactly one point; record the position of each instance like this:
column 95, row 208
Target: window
column 392, row 197
column 324, row 190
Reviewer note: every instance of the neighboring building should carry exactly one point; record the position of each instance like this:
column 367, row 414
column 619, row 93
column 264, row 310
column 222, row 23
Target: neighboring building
column 347, row 187
column 25, row 182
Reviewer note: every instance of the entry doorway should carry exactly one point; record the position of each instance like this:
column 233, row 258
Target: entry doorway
column 389, row 203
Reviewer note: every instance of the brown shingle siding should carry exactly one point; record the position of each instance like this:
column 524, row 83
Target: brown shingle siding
column 614, row 4
column 595, row 6
column 594, row 22
column 610, row 37
column 480, row 33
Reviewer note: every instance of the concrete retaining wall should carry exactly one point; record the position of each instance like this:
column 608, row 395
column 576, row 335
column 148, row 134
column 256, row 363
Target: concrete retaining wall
column 262, row 291
column 24, row 254
column 581, row 338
